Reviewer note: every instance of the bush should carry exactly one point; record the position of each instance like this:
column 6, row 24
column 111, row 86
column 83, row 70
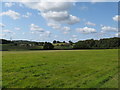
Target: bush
column 48, row 46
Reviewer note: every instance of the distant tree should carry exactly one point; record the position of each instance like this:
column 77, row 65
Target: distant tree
column 48, row 46
column 64, row 42
column 3, row 41
column 58, row 41
column 80, row 45
column 15, row 44
column 106, row 43
column 98, row 44
column 40, row 43
column 54, row 41
column 36, row 43
column 70, row 42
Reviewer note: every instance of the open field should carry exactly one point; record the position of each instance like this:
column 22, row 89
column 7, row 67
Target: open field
column 60, row 69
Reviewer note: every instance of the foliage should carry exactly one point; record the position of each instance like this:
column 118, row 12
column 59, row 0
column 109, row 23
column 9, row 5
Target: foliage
column 107, row 43
column 3, row 41
column 54, row 41
column 98, row 44
column 48, row 46
column 70, row 42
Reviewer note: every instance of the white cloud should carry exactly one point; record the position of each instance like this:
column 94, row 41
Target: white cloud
column 90, row 23
column 9, row 4
column 74, row 36
column 117, row 34
column 73, row 20
column 32, row 32
column 54, row 25
column 43, row 33
column 65, row 32
column 74, row 39
column 17, row 28
column 14, row 15
column 116, row 18
column 94, row 1
column 7, row 31
column 34, row 27
column 55, row 11
column 61, row 16
column 108, row 28
column 27, row 15
column 86, row 30
column 49, row 6
column 65, row 28
column 2, row 25
column 56, row 16
column 47, row 33
column 62, row 0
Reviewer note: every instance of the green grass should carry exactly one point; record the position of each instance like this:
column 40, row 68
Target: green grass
column 60, row 69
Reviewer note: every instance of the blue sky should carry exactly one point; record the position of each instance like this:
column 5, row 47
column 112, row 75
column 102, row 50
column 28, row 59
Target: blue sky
column 62, row 21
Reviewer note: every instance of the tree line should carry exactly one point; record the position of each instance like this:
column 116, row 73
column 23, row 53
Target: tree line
column 106, row 43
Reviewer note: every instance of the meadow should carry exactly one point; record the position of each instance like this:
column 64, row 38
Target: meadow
column 60, row 69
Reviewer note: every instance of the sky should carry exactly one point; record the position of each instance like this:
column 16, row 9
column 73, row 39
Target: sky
column 63, row 21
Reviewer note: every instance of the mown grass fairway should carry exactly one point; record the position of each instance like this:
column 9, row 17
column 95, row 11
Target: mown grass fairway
column 60, row 69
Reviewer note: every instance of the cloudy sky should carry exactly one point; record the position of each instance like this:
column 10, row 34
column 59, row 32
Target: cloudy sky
column 64, row 21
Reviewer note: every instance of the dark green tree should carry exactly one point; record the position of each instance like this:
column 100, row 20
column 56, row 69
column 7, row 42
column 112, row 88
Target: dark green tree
column 48, row 46
column 54, row 41
column 70, row 42
column 64, row 42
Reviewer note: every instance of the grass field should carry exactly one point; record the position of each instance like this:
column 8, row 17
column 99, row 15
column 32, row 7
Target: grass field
column 60, row 69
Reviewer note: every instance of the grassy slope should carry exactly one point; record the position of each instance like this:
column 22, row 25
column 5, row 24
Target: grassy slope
column 68, row 69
